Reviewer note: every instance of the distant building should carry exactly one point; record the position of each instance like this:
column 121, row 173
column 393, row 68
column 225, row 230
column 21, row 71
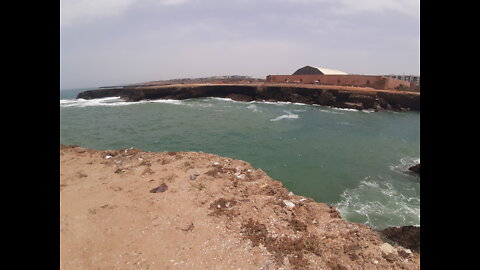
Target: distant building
column 327, row 76
column 409, row 78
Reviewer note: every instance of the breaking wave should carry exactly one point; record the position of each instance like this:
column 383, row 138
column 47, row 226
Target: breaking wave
column 379, row 204
column 289, row 115
column 404, row 164
column 111, row 101
column 254, row 108
column 330, row 111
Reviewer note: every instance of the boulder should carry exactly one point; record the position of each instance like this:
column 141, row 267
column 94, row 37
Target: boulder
column 406, row 236
column 415, row 168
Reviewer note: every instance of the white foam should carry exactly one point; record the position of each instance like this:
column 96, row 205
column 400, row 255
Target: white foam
column 108, row 101
column 224, row 99
column 289, row 115
column 330, row 111
column 279, row 103
column 346, row 109
column 166, row 101
column 371, row 184
column 377, row 203
column 404, row 164
column 113, row 101
column 254, row 108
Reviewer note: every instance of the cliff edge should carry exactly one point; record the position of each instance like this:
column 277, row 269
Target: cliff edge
column 326, row 95
column 129, row 209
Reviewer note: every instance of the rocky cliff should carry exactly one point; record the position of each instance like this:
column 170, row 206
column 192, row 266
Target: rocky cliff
column 341, row 97
column 130, row 209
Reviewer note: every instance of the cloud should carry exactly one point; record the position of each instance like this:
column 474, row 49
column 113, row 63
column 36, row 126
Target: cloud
column 141, row 40
column 81, row 11
column 408, row 7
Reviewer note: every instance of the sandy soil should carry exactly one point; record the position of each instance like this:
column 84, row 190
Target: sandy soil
column 128, row 209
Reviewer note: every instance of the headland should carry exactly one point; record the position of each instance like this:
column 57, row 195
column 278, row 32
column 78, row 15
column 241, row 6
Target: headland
column 193, row 210
column 359, row 98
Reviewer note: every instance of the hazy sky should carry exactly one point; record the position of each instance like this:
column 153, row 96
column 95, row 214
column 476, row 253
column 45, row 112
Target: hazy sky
column 110, row 42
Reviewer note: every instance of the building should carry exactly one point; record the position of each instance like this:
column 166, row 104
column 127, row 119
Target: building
column 326, row 76
column 409, row 78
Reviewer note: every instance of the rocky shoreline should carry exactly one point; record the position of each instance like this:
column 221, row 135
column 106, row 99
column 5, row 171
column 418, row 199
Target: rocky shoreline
column 415, row 168
column 334, row 96
column 189, row 210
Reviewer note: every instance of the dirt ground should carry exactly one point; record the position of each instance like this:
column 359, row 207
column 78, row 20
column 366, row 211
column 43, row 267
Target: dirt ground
column 354, row 89
column 129, row 209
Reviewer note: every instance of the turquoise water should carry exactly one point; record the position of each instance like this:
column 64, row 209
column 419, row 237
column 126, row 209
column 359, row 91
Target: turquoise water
column 355, row 160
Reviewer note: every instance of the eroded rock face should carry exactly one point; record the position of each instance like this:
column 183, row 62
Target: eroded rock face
column 406, row 236
column 344, row 98
column 415, row 168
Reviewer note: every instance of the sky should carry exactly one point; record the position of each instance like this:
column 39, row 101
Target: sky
column 115, row 42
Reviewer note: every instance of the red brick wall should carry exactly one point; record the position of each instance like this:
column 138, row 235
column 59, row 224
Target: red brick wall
column 377, row 82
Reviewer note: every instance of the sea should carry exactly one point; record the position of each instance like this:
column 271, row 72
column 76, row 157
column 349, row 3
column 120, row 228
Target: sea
column 354, row 160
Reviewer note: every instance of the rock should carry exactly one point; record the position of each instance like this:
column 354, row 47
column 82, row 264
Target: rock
column 163, row 187
column 240, row 97
column 188, row 227
column 406, row 236
column 344, row 98
column 354, row 105
column 289, row 204
column 387, row 248
column 194, row 176
column 334, row 212
column 415, row 168
column 404, row 252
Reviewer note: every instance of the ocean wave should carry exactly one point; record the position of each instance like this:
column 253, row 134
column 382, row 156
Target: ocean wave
column 113, row 101
column 166, row 101
column 109, row 101
column 377, row 203
column 289, row 115
column 254, row 108
column 279, row 103
column 352, row 110
column 330, row 111
column 345, row 109
column 223, row 99
column 404, row 164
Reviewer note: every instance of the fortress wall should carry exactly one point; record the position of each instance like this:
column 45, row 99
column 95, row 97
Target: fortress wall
column 377, row 82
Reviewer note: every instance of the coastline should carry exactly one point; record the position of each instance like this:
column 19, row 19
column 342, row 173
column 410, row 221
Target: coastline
column 326, row 95
column 191, row 210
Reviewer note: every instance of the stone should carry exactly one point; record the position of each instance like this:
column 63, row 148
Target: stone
column 289, row 204
column 415, row 168
column 194, row 176
column 404, row 252
column 162, row 188
column 387, row 248
column 406, row 236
